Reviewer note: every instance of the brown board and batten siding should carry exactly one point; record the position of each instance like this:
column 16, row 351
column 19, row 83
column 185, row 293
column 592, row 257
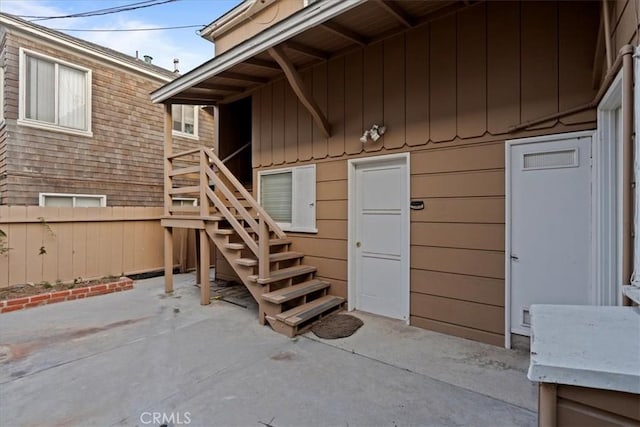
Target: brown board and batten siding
column 123, row 158
column 448, row 92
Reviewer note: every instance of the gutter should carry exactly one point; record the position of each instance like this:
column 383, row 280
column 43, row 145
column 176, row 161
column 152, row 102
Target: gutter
column 306, row 18
column 234, row 18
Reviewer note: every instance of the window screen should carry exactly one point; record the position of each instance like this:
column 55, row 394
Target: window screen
column 276, row 191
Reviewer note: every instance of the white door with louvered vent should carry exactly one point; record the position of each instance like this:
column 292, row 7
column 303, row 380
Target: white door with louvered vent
column 549, row 224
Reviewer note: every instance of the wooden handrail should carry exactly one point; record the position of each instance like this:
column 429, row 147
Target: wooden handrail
column 235, row 153
column 234, row 201
column 243, row 191
column 183, row 153
column 251, row 244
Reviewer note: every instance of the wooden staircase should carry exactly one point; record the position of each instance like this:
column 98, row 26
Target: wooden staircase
column 290, row 298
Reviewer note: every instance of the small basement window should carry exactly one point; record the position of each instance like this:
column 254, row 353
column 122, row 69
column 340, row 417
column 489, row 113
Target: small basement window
column 59, row 200
column 184, row 201
column 289, row 196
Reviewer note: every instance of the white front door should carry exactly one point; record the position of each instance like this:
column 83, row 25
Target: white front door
column 380, row 226
column 550, row 225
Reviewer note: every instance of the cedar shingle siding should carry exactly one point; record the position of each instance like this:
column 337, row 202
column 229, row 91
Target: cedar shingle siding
column 123, row 158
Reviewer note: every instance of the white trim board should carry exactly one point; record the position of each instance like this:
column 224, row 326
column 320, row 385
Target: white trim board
column 351, row 230
column 507, row 259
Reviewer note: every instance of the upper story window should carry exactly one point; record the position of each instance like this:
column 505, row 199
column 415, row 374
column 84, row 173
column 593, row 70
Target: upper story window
column 54, row 94
column 185, row 120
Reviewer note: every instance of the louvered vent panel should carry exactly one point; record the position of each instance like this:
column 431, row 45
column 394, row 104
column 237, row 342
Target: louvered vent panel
column 551, row 159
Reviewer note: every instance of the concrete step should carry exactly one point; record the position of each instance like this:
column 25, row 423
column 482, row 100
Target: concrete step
column 287, row 294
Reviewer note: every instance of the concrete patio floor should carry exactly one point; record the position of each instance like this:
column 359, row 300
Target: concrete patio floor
column 135, row 357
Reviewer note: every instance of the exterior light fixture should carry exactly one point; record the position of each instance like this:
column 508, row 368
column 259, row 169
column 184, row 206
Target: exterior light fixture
column 374, row 133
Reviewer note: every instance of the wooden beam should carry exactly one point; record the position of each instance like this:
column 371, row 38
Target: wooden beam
column 607, row 33
column 168, row 260
column 216, row 86
column 205, row 285
column 306, row 50
column 262, row 63
column 242, row 77
column 345, row 33
column 295, row 80
column 400, row 15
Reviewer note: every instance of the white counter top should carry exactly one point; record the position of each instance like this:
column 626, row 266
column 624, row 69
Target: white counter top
column 632, row 292
column 586, row 346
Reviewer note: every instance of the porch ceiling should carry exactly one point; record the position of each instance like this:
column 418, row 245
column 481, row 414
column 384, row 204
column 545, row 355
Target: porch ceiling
column 319, row 32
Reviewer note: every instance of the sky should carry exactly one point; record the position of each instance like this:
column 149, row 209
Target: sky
column 162, row 45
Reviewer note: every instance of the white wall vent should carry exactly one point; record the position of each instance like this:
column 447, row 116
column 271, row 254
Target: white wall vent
column 551, row 160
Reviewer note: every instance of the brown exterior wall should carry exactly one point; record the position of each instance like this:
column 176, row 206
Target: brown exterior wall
column 581, row 406
column 448, row 93
column 84, row 242
column 625, row 19
column 123, row 158
column 257, row 23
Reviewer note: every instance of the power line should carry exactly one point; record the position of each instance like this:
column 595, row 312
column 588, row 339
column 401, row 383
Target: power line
column 131, row 29
column 107, row 11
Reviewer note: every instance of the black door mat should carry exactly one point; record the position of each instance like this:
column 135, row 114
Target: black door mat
column 337, row 326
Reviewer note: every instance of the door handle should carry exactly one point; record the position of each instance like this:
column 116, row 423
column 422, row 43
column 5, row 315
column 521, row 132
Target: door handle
column 515, row 258
column 358, row 244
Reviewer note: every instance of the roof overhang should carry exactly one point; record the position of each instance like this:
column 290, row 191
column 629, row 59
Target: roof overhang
column 323, row 30
column 308, row 17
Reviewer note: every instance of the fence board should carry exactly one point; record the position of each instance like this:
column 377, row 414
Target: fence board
column 80, row 242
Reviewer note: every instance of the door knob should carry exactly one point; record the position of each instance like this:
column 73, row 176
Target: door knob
column 358, row 244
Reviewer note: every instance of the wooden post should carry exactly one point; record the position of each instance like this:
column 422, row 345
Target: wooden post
column 168, row 151
column 168, row 231
column 168, row 259
column 263, row 249
column 204, row 184
column 205, row 291
column 197, row 232
column 547, row 405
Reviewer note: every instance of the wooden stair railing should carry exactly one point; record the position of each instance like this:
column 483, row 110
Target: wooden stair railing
column 289, row 296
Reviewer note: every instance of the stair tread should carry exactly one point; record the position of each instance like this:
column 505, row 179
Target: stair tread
column 285, row 273
column 224, row 231
column 280, row 256
column 275, row 242
column 295, row 291
column 304, row 312
column 237, row 246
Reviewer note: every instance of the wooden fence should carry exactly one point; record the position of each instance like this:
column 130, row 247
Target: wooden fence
column 51, row 244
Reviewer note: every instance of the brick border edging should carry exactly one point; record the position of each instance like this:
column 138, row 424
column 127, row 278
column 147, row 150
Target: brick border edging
column 21, row 303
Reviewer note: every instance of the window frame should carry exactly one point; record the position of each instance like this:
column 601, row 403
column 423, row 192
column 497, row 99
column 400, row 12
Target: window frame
column 192, row 200
column 196, row 115
column 1, row 94
column 294, row 226
column 73, row 196
column 22, row 90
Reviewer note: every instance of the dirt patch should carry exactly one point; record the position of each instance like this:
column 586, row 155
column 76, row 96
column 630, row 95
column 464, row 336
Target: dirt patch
column 11, row 352
column 337, row 326
column 31, row 289
column 283, row 356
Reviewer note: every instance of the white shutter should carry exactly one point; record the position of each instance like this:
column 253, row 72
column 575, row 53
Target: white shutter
column 304, row 197
column 72, row 98
column 276, row 195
